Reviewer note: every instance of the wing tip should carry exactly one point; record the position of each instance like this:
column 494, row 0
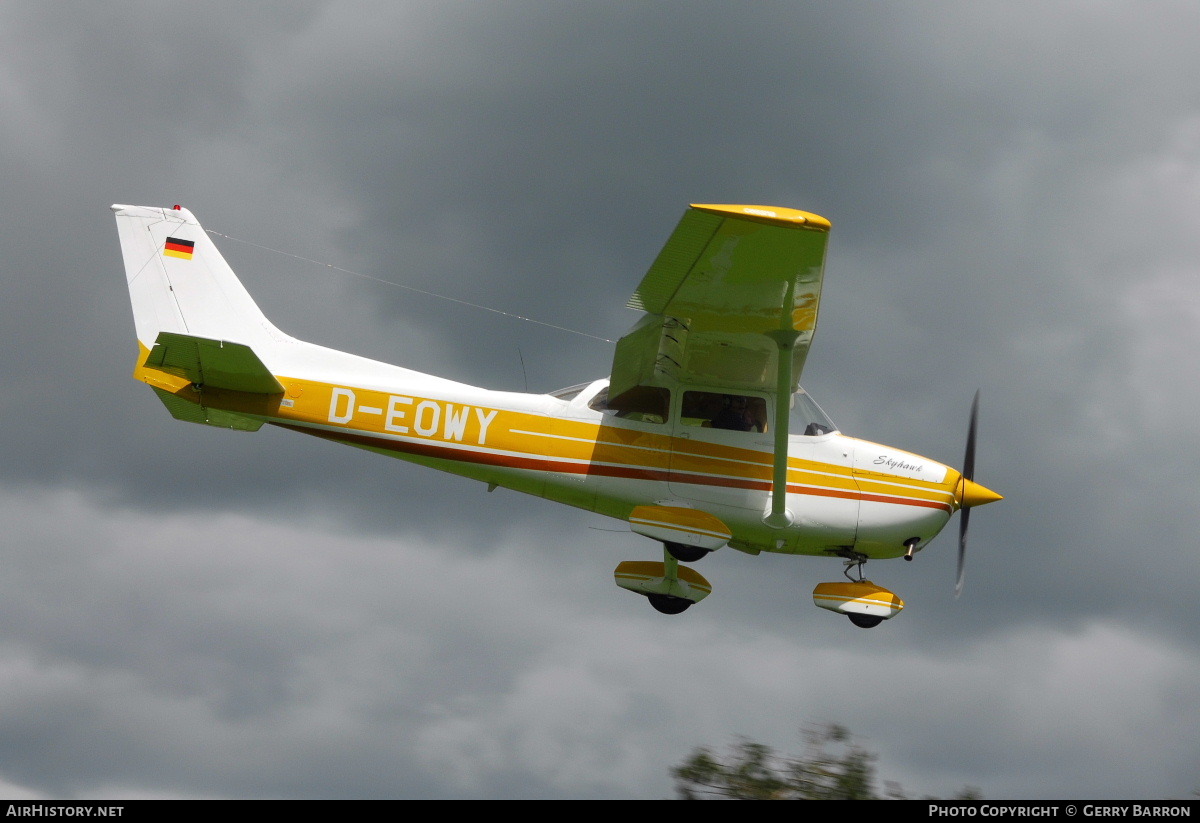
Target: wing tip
column 775, row 215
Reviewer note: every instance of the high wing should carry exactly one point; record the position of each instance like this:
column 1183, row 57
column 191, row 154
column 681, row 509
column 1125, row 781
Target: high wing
column 734, row 288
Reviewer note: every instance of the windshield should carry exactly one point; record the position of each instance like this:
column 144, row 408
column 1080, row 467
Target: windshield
column 807, row 418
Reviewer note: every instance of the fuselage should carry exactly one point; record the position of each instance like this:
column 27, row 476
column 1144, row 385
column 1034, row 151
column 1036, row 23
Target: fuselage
column 843, row 494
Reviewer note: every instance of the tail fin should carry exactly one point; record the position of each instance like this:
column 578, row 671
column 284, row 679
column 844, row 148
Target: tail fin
column 180, row 283
column 200, row 333
column 203, row 340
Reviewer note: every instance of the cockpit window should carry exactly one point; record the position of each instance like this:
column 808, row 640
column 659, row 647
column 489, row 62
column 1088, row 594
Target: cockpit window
column 807, row 418
column 718, row 410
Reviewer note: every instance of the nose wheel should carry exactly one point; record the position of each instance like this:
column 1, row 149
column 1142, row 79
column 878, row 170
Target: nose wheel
column 865, row 604
column 854, row 573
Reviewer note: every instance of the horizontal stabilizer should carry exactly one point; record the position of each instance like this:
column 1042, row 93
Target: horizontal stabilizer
column 189, row 412
column 217, row 364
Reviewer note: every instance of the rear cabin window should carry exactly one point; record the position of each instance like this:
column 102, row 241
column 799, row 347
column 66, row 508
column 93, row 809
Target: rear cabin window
column 647, row 404
column 717, row 410
column 570, row 392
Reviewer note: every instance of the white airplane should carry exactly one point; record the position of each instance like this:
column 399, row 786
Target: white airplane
column 701, row 438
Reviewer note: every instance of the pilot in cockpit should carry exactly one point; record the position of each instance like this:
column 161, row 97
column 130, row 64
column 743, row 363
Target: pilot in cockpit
column 735, row 415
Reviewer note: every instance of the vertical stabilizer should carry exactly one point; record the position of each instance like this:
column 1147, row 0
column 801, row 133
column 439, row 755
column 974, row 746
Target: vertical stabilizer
column 180, row 283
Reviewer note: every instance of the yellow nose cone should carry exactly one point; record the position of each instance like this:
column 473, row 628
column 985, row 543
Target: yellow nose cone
column 971, row 494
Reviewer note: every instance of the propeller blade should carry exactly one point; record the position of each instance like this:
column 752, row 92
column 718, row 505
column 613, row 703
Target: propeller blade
column 968, row 473
column 963, row 516
column 969, row 457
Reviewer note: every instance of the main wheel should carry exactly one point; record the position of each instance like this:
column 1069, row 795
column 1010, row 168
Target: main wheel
column 685, row 554
column 865, row 621
column 667, row 604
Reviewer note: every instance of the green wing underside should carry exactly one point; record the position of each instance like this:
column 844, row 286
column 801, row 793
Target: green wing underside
column 732, row 288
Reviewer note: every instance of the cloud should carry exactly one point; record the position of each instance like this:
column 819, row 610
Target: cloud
column 200, row 613
column 221, row 655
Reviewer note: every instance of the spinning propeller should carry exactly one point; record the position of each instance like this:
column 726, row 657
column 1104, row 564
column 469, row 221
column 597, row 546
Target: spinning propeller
column 969, row 493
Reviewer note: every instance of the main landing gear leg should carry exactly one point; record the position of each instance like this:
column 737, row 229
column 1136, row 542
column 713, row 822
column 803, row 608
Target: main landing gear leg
column 666, row 603
column 670, row 586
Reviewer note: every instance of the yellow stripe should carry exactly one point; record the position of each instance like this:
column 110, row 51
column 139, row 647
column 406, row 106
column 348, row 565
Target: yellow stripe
column 552, row 439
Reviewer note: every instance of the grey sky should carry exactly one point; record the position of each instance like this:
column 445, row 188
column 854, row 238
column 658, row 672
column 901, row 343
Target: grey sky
column 192, row 612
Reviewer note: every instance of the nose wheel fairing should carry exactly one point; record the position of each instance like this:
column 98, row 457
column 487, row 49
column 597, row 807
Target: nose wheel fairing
column 865, row 603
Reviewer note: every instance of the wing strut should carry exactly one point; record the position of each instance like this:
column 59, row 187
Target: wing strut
column 785, row 338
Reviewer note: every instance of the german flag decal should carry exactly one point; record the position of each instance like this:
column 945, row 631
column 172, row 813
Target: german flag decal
column 179, row 248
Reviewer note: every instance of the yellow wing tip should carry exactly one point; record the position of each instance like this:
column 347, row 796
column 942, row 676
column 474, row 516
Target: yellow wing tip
column 768, row 214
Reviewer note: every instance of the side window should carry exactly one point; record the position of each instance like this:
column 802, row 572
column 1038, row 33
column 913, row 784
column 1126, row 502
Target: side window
column 647, row 404
column 716, row 410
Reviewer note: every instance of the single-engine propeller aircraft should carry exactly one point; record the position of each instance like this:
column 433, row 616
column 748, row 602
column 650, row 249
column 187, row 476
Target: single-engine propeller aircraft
column 701, row 438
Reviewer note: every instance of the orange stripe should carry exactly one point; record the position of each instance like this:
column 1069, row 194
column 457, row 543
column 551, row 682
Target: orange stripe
column 649, row 455
column 590, row 469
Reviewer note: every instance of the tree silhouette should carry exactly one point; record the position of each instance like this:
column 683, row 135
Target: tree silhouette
column 832, row 767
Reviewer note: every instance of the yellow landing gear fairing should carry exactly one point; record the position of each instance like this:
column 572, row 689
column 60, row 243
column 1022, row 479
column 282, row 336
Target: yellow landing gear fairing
column 866, row 604
column 670, row 587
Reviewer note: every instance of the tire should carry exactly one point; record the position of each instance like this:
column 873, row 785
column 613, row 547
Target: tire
column 667, row 604
column 686, row 554
column 865, row 621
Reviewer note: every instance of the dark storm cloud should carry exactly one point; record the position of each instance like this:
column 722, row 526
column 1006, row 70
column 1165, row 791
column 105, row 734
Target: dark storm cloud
column 308, row 663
